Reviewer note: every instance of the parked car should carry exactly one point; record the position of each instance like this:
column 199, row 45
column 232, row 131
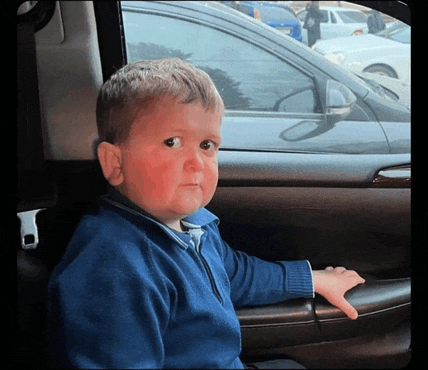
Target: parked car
column 315, row 165
column 337, row 22
column 386, row 53
column 277, row 15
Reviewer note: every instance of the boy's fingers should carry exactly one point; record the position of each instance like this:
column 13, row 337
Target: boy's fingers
column 346, row 307
column 340, row 269
column 356, row 280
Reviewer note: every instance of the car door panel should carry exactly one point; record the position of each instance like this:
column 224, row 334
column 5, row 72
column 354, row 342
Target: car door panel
column 325, row 208
column 252, row 168
column 388, row 349
column 281, row 206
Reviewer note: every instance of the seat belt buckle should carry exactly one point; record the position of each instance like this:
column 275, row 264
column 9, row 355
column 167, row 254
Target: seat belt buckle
column 29, row 232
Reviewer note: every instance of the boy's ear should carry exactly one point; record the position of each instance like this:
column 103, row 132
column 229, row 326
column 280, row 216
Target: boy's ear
column 110, row 157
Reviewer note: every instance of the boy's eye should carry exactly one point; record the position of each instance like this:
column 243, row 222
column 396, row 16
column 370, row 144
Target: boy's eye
column 208, row 145
column 173, row 142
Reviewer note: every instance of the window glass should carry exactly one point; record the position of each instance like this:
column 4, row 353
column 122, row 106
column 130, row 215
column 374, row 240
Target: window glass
column 333, row 17
column 324, row 15
column 275, row 14
column 257, row 82
column 247, row 77
column 352, row 17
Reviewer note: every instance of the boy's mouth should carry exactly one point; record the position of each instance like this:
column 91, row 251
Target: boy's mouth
column 194, row 182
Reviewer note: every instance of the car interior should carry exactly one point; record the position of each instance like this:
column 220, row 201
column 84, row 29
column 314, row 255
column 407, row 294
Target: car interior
column 350, row 210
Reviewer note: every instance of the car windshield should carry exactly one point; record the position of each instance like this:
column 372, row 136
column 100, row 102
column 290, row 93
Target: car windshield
column 276, row 14
column 349, row 16
column 378, row 89
column 399, row 34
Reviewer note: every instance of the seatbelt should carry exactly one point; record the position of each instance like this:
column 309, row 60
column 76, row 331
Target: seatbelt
column 35, row 191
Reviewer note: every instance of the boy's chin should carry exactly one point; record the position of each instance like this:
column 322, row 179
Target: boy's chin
column 187, row 209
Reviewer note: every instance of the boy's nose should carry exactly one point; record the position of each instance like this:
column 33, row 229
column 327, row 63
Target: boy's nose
column 194, row 160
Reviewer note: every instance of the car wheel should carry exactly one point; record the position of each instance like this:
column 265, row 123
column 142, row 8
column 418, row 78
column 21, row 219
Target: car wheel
column 382, row 70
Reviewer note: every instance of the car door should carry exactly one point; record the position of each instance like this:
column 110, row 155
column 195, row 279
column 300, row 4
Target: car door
column 328, row 25
column 333, row 26
column 328, row 196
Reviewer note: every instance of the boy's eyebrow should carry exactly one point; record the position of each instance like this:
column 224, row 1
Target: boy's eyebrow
column 180, row 130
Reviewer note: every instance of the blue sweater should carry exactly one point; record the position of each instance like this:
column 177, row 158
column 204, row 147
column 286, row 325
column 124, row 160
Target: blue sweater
column 132, row 293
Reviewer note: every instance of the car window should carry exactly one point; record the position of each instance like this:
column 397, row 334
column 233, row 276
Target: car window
column 333, row 17
column 324, row 15
column 269, row 91
column 248, row 77
column 348, row 16
column 275, row 14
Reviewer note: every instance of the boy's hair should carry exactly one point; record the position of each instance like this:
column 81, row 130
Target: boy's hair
column 131, row 89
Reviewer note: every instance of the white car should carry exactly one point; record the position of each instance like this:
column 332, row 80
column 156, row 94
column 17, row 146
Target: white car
column 336, row 22
column 386, row 53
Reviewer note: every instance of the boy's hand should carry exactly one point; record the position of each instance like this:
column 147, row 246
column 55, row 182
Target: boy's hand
column 333, row 283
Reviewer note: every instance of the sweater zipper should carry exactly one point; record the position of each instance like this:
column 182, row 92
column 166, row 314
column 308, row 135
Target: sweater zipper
column 211, row 278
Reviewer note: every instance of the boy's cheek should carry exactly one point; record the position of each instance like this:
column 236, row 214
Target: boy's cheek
column 156, row 180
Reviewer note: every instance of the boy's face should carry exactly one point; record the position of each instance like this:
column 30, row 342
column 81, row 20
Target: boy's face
column 169, row 161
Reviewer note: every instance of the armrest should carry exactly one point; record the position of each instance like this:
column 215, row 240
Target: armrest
column 381, row 304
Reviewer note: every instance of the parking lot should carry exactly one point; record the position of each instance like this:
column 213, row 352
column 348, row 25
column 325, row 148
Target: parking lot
column 384, row 50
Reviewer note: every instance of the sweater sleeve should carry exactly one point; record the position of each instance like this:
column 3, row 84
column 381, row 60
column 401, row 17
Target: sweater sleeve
column 109, row 310
column 257, row 282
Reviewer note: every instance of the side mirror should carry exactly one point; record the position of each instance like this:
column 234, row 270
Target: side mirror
column 339, row 102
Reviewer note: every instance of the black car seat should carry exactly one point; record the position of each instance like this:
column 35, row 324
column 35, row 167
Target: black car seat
column 49, row 200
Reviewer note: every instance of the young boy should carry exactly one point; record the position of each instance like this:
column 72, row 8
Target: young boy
column 147, row 281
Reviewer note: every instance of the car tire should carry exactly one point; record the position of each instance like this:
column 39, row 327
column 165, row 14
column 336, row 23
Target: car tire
column 382, row 70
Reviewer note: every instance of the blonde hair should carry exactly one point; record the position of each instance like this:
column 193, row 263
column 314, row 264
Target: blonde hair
column 131, row 89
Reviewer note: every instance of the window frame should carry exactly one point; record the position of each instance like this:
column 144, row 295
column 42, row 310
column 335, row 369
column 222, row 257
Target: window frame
column 109, row 22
